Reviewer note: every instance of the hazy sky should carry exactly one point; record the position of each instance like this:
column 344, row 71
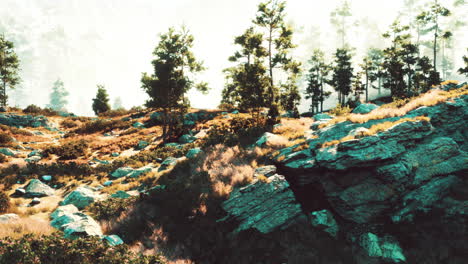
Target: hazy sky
column 89, row 42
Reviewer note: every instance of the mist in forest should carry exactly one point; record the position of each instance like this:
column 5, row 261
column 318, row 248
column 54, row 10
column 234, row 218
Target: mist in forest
column 109, row 42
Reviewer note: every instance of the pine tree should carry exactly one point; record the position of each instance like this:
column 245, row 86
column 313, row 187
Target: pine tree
column 316, row 79
column 339, row 21
column 247, row 83
column 359, row 87
column 9, row 67
column 464, row 70
column 368, row 73
column 270, row 18
column 431, row 20
column 101, row 102
column 342, row 74
column 376, row 73
column 58, row 96
column 174, row 66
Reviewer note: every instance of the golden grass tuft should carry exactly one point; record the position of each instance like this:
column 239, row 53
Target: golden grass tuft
column 23, row 226
column 293, row 128
column 430, row 98
column 376, row 129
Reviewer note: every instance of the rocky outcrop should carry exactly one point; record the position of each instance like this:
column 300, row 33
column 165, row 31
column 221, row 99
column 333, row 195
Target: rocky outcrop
column 412, row 171
column 364, row 108
column 8, row 218
column 81, row 197
column 267, row 138
column 24, row 120
column 263, row 205
column 36, row 188
column 130, row 172
column 74, row 223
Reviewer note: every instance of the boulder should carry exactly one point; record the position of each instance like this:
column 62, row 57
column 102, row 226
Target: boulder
column 364, row 108
column 121, row 195
column 115, row 154
column 141, row 145
column 7, row 152
column 64, row 210
column 324, row 220
column 235, row 112
column 20, row 192
column 36, row 188
column 113, row 240
column 138, row 125
column 263, row 205
column 24, row 120
column 386, row 247
column 33, row 159
column 7, row 218
column 169, row 162
column 267, row 138
column 321, row 116
column 81, row 197
column 122, row 172
column 35, row 152
column 184, row 139
column 35, row 201
column 46, row 178
column 266, row 171
column 80, row 225
column 107, row 183
column 192, row 153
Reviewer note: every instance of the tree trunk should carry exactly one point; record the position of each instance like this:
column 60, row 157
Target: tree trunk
column 435, row 45
column 367, row 86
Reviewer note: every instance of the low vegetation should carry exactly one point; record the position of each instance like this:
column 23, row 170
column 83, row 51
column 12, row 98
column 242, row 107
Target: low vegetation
column 69, row 150
column 4, row 202
column 110, row 208
column 36, row 110
column 24, row 226
column 56, row 249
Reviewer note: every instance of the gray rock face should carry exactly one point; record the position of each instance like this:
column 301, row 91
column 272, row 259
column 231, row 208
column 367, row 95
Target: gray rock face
column 266, row 171
column 7, row 152
column 24, row 120
column 81, row 197
column 386, row 247
column 364, row 108
column 184, row 139
column 324, row 220
column 266, row 138
column 113, row 240
column 36, row 188
column 319, row 117
column 130, row 172
column 192, row 153
column 7, row 218
column 264, row 206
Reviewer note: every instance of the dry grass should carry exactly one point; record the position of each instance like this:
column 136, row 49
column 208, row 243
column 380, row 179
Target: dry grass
column 23, row 226
column 376, row 129
column 430, row 98
column 293, row 128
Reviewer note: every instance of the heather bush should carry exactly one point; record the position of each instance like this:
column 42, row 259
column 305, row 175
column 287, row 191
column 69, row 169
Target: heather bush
column 3, row 158
column 4, row 202
column 102, row 125
column 69, row 150
column 110, row 208
column 5, row 139
column 55, row 249
column 67, row 123
column 36, row 110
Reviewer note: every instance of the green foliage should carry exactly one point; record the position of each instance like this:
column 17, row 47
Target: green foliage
column 174, row 64
column 117, row 104
column 316, row 78
column 69, row 150
column 240, row 131
column 342, row 74
column 340, row 110
column 110, row 208
column 101, row 102
column 4, row 201
column 9, row 68
column 464, row 70
column 278, row 43
column 36, row 110
column 58, row 96
column 55, row 249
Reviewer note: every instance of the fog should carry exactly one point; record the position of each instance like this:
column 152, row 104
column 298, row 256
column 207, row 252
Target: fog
column 109, row 42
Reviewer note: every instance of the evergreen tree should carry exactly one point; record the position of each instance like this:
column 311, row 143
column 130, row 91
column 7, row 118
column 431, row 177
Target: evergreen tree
column 342, row 74
column 369, row 73
column 376, row 73
column 425, row 77
column 464, row 70
column 270, row 18
column 359, row 87
column 339, row 21
column 58, row 96
column 174, row 66
column 431, row 20
column 316, row 79
column 9, row 67
column 101, row 102
column 247, row 84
